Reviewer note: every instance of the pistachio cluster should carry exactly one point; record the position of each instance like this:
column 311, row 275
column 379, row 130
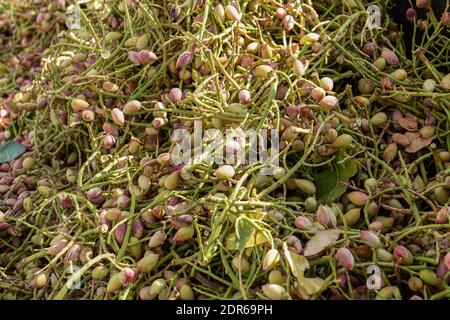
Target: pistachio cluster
column 364, row 152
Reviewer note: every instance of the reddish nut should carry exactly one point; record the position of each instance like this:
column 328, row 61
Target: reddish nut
column 358, row 198
column 370, row 238
column 403, row 256
column 345, row 258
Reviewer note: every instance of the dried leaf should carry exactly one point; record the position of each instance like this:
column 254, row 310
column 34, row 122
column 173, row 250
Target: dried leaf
column 408, row 123
column 320, row 241
column 297, row 263
column 418, row 143
column 312, row 285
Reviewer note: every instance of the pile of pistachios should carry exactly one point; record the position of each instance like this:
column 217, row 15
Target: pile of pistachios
column 95, row 206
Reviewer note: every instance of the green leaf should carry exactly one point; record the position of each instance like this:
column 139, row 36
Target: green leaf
column 245, row 230
column 328, row 182
column 327, row 186
column 347, row 169
column 10, row 151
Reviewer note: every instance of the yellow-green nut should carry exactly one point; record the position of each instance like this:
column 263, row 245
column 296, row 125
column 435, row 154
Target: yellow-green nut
column 99, row 272
column 184, row 234
column 28, row 163
column 271, row 259
column 309, row 38
column 390, row 152
column 240, row 264
column 306, row 186
column 115, row 282
column 27, row 204
column 172, row 181
column 232, row 13
column 352, row 216
column 274, row 291
column 219, row 12
column 299, row 68
column 379, row 64
column 157, row 286
column 44, row 190
column 342, row 141
column 142, row 42
column 130, row 42
column 445, row 82
column 279, row 173
column 186, row 292
column 430, row 277
column 400, row 74
column 442, row 195
column 262, row 71
column 79, row 105
column 144, row 182
column 276, row 277
column 112, row 36
column 39, row 281
column 415, row 283
column 135, row 248
column 384, row 255
column 113, row 214
column 110, row 86
column 378, row 119
column 148, row 262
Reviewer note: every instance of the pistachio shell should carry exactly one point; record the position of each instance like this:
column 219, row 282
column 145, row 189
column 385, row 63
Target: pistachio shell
column 262, row 71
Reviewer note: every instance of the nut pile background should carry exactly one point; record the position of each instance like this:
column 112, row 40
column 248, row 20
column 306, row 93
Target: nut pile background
column 92, row 206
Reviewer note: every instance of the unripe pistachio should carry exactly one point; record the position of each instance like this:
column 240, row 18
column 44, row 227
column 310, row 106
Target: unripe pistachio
column 358, row 198
column 352, row 216
column 99, row 272
column 232, row 13
column 309, row 38
column 262, row 71
column 271, row 259
column 79, row 105
column 240, row 264
column 148, row 262
column 244, row 96
column 274, row 291
column 175, row 95
column 329, row 102
column 118, row 117
column 303, row 223
column 403, row 256
column 299, row 68
column 415, row 283
column 306, row 186
column 370, row 238
column 390, row 56
column 184, row 59
column 345, row 258
column 186, row 292
column 276, row 277
column 132, row 107
column 342, row 141
column 225, row 172
column 378, row 119
column 327, row 83
column 429, row 277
